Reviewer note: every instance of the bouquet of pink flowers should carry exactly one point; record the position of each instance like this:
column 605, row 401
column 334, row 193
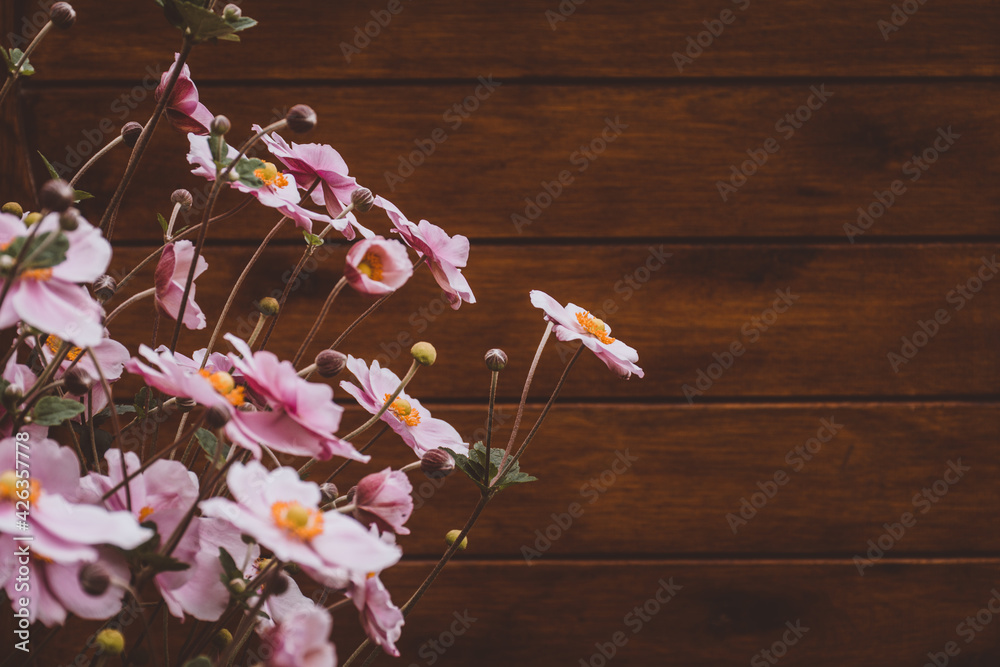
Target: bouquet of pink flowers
column 200, row 517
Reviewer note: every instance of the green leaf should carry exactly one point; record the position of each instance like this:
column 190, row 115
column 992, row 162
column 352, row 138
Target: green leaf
column 52, row 410
column 312, row 239
column 48, row 166
column 163, row 222
column 202, row 24
column 245, row 169
column 15, row 55
column 474, row 465
column 53, row 251
column 209, row 443
column 229, row 569
column 80, row 195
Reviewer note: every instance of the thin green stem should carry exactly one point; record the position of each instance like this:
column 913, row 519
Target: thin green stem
column 489, row 424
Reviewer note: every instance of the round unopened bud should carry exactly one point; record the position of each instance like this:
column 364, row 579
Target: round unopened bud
column 62, row 15
column 222, row 639
column 496, row 359
column 424, row 353
column 56, row 195
column 452, row 536
column 279, row 585
column 110, row 641
column 216, row 417
column 105, row 287
column 182, row 197
column 363, row 200
column 349, row 498
column 437, row 463
column 13, row 392
column 220, row 125
column 268, row 306
column 13, row 208
column 32, row 218
column 130, row 133
column 94, row 579
column 237, row 585
column 69, row 220
column 329, row 363
column 231, row 12
column 6, row 262
column 78, row 381
column 328, row 492
column 301, row 118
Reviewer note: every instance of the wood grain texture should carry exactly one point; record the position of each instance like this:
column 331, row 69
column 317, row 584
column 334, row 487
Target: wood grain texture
column 441, row 39
column 658, row 178
column 851, row 307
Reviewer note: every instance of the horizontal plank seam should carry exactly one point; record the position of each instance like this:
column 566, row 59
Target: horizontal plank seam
column 604, row 403
column 589, row 561
column 729, row 402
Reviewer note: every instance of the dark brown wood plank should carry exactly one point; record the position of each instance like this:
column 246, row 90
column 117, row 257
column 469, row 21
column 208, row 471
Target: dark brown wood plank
column 438, row 38
column 495, row 174
column 851, row 308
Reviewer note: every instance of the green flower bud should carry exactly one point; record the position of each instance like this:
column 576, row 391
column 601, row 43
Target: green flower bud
column 13, row 208
column 496, row 359
column 268, row 306
column 453, row 535
column 424, row 353
column 222, row 639
column 110, row 641
column 32, row 218
column 220, row 125
column 237, row 585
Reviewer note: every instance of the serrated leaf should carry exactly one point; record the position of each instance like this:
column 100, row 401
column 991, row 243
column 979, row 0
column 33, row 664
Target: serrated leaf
column 52, row 410
column 46, row 250
column 203, row 24
column 245, row 169
column 474, row 465
column 208, row 442
column 163, row 222
column 15, row 55
column 312, row 239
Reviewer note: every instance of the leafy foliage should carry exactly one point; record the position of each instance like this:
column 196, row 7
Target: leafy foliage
column 201, row 24
column 474, row 465
column 52, row 410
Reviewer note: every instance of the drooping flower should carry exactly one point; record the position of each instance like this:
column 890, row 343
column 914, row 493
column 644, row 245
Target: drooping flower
column 381, row 619
column 575, row 323
column 184, row 110
column 46, row 293
column 406, row 416
column 282, row 513
column 377, row 266
column 171, row 276
column 445, row 255
column 320, row 167
column 384, row 499
column 278, row 190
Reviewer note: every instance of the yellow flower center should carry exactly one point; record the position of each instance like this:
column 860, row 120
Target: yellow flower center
column 371, row 265
column 271, row 176
column 223, row 383
column 595, row 327
column 145, row 512
column 10, row 490
column 302, row 522
column 37, row 274
column 54, row 342
column 404, row 411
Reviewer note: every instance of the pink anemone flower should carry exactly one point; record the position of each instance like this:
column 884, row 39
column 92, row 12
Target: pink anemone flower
column 406, row 416
column 281, row 512
column 381, row 619
column 377, row 266
column 171, row 276
column 445, row 255
column 111, row 357
column 301, row 638
column 184, row 110
column 575, row 323
column 50, row 298
column 278, row 190
column 384, row 499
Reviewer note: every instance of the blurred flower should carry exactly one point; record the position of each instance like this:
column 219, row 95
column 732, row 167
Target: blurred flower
column 171, row 276
column 377, row 266
column 184, row 111
column 301, row 638
column 111, row 356
column 384, row 499
column 575, row 323
column 381, row 619
column 445, row 255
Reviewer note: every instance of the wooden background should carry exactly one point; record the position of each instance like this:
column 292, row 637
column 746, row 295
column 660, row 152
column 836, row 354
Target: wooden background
column 652, row 191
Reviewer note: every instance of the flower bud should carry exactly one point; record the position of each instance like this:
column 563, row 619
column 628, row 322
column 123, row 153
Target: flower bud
column 94, row 579
column 437, row 463
column 453, row 535
column 328, row 492
column 363, row 200
column 216, row 417
column 186, row 404
column 13, row 208
column 105, row 287
column 349, row 498
column 231, row 12
column 237, row 585
column 182, row 197
column 110, row 641
column 69, row 219
column 424, row 353
column 329, row 363
column 32, row 218
column 56, row 195
column 130, row 133
column 62, row 15
column 78, row 381
column 268, row 306
column 222, row 639
column 300, row 118
column 496, row 359
column 220, row 125
column 13, row 393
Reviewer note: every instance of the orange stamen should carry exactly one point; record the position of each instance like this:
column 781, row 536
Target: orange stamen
column 595, row 327
column 302, row 522
column 403, row 411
